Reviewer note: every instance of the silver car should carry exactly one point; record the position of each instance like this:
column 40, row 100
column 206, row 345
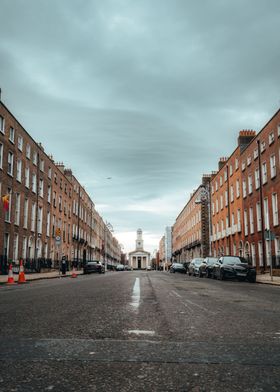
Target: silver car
column 194, row 266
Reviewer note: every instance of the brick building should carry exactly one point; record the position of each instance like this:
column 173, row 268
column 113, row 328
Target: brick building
column 190, row 233
column 45, row 202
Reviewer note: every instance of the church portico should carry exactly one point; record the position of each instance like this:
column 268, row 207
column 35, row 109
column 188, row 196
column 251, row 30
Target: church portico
column 139, row 259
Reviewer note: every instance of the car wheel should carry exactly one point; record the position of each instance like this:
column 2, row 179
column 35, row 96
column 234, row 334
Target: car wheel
column 222, row 275
column 200, row 274
column 190, row 274
column 252, row 279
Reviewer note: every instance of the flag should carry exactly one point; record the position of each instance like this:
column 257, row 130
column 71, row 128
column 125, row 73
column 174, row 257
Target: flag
column 6, row 202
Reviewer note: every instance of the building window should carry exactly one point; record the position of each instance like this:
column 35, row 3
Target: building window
column 12, row 135
column 48, row 223
column 221, row 202
column 28, row 151
column 257, row 178
column 264, row 173
column 238, row 220
column 42, row 165
column 260, row 251
column 225, row 175
column 243, row 166
column 259, row 217
column 253, row 251
column 27, row 177
column 54, row 198
column 35, row 158
column 236, row 164
column 275, row 209
column 17, row 209
column 271, row 138
column 249, row 160
column 25, row 214
column 256, row 153
column 266, row 214
column 33, row 213
column 10, row 163
column 230, row 170
column 245, row 222
column 244, row 188
column 272, row 166
column 24, row 247
column 262, row 146
column 49, row 194
column 8, row 211
column 20, row 143
column 226, row 198
column 278, row 130
column 19, row 167
column 251, row 219
column 217, row 205
column 1, row 156
column 50, row 172
column 15, row 250
column 231, row 194
column 41, row 187
column 34, row 182
column 237, row 188
column 2, row 124
column 40, row 220
column 250, row 184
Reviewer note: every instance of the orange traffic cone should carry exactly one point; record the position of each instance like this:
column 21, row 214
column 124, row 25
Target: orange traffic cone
column 21, row 276
column 10, row 275
column 74, row 275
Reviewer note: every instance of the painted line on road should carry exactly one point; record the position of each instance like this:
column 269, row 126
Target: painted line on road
column 135, row 303
column 141, row 332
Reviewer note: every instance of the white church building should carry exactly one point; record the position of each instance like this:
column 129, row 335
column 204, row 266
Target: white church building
column 139, row 258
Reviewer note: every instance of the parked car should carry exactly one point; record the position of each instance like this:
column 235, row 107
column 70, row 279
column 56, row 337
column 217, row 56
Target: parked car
column 94, row 266
column 127, row 268
column 149, row 268
column 178, row 267
column 206, row 268
column 120, row 267
column 234, row 267
column 194, row 266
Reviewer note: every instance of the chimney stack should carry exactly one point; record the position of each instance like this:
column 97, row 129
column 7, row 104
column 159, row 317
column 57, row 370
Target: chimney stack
column 245, row 138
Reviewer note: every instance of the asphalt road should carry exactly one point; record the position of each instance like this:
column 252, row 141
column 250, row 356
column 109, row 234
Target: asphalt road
column 139, row 331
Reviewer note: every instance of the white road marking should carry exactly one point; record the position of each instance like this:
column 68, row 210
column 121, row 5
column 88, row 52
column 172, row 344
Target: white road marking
column 141, row 332
column 187, row 303
column 136, row 294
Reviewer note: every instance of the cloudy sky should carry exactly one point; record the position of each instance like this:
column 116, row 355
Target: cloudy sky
column 150, row 93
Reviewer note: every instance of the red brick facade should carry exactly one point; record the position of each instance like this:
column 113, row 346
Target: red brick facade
column 47, row 204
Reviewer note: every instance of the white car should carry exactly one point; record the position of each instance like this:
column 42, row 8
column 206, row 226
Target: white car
column 120, row 267
column 149, row 268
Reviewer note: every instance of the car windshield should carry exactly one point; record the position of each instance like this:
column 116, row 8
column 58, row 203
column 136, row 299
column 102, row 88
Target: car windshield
column 211, row 260
column 177, row 265
column 198, row 261
column 232, row 260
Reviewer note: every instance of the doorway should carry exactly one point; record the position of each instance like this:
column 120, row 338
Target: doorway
column 139, row 262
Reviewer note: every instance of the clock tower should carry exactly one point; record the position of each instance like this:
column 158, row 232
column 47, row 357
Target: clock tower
column 139, row 240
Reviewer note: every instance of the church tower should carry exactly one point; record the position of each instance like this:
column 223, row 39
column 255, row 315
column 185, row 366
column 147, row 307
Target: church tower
column 139, row 240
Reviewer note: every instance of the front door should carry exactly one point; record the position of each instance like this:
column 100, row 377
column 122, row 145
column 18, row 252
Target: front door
column 139, row 263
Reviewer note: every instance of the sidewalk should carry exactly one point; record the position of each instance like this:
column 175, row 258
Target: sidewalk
column 41, row 275
column 266, row 279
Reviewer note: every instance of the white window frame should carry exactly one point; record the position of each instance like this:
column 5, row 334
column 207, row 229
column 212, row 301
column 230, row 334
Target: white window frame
column 19, row 170
column 250, row 184
column 2, row 124
column 275, row 214
column 10, row 169
column 12, row 135
column 264, row 173
column 272, row 166
column 20, row 142
column 251, row 220
column 1, row 155
column 17, row 209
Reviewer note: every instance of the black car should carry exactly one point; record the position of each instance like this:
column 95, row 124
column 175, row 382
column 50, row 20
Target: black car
column 178, row 267
column 195, row 265
column 234, row 267
column 94, row 266
column 206, row 269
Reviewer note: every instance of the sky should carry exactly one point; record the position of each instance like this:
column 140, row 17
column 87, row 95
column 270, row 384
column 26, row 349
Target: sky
column 140, row 98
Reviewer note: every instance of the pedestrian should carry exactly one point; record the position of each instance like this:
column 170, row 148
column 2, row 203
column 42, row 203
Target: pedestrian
column 63, row 266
